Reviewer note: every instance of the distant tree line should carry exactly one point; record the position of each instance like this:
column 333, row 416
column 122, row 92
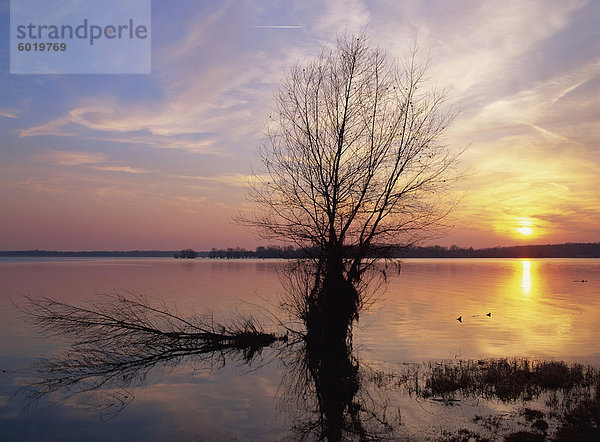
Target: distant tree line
column 567, row 250
column 185, row 254
column 89, row 254
column 260, row 252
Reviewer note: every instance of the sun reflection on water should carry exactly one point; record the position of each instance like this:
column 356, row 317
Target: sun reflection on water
column 526, row 279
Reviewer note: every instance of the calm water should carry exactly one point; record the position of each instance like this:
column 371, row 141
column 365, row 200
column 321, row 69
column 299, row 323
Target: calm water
column 539, row 309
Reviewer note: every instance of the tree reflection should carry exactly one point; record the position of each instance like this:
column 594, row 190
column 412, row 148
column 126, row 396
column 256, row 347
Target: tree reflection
column 116, row 341
column 324, row 375
column 325, row 381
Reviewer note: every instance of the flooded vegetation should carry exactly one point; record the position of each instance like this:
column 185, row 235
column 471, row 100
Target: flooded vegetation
column 540, row 400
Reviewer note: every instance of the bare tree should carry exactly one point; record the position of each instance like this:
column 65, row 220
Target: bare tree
column 354, row 161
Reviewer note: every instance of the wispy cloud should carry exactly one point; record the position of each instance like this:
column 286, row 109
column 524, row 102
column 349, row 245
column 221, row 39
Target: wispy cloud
column 234, row 179
column 482, row 50
column 341, row 16
column 17, row 109
column 540, row 102
column 277, row 26
column 8, row 113
column 213, row 97
column 55, row 127
column 93, row 160
column 73, row 158
column 123, row 169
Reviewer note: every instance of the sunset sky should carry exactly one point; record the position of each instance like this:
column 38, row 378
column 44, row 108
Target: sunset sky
column 159, row 161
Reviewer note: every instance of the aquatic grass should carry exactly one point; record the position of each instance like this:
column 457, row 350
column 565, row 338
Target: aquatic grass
column 506, row 379
column 571, row 392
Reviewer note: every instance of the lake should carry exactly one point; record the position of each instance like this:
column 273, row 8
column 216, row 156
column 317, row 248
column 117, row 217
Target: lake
column 540, row 309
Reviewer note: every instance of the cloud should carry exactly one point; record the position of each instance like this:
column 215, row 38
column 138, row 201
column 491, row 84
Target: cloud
column 213, row 97
column 124, row 169
column 18, row 108
column 192, row 120
column 542, row 104
column 342, row 16
column 73, row 158
column 8, row 113
column 76, row 121
column 277, row 26
column 530, row 178
column 94, row 160
column 55, row 127
column 234, row 179
column 479, row 49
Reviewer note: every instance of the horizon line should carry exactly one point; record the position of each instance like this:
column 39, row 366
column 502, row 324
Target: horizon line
column 273, row 245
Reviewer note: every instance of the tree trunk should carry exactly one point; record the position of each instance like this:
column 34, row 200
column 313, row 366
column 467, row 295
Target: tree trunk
column 333, row 310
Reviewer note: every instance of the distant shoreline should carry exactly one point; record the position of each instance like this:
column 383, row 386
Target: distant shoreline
column 567, row 250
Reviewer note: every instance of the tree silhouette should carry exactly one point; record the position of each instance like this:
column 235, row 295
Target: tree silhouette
column 354, row 161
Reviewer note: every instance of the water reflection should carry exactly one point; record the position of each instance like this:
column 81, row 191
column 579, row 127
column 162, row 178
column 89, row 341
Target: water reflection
column 116, row 341
column 117, row 344
column 328, row 390
column 328, row 396
column 557, row 318
column 526, row 280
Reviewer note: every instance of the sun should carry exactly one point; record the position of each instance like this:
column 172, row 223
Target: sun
column 525, row 230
